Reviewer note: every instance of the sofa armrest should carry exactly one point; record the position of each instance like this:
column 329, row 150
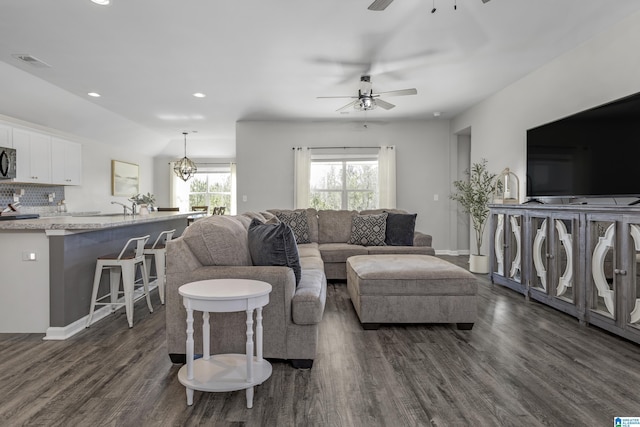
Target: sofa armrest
column 308, row 302
column 421, row 239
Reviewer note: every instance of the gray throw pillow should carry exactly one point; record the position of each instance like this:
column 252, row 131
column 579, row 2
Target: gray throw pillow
column 400, row 229
column 298, row 222
column 368, row 230
column 274, row 244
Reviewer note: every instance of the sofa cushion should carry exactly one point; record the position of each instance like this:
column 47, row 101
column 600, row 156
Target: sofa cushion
column 218, row 240
column 339, row 252
column 368, row 230
column 309, row 250
column 400, row 229
column 334, row 226
column 273, row 244
column 298, row 222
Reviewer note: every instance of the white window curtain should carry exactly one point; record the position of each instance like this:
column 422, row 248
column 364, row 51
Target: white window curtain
column 178, row 191
column 301, row 177
column 387, row 176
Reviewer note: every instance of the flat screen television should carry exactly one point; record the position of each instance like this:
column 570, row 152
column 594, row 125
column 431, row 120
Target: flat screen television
column 594, row 153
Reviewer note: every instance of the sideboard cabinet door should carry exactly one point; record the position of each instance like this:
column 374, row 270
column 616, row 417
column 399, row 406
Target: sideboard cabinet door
column 554, row 249
column 506, row 254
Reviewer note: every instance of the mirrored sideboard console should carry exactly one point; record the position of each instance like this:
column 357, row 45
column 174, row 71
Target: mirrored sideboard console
column 582, row 260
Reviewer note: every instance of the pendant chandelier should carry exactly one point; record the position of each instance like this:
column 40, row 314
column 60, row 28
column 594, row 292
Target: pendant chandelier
column 185, row 168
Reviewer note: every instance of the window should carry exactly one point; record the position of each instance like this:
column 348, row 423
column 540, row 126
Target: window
column 344, row 184
column 211, row 189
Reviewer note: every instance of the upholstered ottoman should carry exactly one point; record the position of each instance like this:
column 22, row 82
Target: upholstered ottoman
column 411, row 289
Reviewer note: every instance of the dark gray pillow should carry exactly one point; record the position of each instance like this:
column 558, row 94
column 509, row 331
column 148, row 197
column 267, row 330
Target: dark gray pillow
column 368, row 230
column 274, row 244
column 400, row 229
column 298, row 222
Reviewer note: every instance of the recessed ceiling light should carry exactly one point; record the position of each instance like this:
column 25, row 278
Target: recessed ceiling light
column 102, row 2
column 94, row 94
column 199, row 95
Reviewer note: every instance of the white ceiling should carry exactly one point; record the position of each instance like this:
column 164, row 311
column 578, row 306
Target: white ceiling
column 268, row 60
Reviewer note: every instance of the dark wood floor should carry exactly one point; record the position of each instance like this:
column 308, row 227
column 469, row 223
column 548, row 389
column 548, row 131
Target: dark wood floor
column 523, row 364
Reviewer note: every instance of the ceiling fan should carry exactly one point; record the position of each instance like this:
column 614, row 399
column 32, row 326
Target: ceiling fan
column 367, row 100
column 379, row 5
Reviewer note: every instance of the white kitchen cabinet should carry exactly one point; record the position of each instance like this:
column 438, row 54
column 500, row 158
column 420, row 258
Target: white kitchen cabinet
column 33, row 156
column 66, row 162
column 6, row 139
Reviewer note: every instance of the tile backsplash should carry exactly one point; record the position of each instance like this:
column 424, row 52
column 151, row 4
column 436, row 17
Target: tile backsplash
column 35, row 198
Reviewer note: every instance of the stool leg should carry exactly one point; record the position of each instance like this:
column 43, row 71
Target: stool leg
column 145, row 284
column 161, row 273
column 114, row 283
column 148, row 264
column 94, row 292
column 128, row 279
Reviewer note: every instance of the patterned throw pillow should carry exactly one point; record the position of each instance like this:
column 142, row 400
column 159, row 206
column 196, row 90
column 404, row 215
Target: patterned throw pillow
column 298, row 222
column 368, row 230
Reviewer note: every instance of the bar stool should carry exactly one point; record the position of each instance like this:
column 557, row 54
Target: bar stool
column 122, row 264
column 159, row 253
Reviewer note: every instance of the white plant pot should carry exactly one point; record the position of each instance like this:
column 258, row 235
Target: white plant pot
column 479, row 264
column 144, row 210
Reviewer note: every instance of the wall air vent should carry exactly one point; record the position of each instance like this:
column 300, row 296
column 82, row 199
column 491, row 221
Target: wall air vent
column 32, row 60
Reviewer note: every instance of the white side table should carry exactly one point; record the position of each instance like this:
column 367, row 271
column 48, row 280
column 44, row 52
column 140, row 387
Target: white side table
column 224, row 372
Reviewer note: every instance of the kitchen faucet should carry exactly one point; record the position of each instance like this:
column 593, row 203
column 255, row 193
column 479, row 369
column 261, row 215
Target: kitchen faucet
column 125, row 207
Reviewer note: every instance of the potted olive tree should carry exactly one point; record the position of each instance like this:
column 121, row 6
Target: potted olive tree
column 473, row 195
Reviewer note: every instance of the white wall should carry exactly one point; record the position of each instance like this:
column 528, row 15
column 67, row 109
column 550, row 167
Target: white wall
column 603, row 69
column 265, row 164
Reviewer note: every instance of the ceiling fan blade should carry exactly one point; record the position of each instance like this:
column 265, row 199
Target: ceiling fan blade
column 379, row 5
column 351, row 104
column 384, row 104
column 327, row 97
column 401, row 92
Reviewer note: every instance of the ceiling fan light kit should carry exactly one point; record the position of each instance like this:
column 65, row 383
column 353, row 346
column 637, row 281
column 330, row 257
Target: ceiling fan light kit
column 367, row 100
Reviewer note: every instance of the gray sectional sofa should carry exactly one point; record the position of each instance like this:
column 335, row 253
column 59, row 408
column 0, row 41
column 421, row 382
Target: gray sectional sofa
column 217, row 247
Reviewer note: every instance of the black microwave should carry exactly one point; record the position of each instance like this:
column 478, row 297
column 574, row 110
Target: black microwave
column 7, row 163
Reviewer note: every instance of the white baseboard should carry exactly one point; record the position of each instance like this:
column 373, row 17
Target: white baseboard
column 65, row 332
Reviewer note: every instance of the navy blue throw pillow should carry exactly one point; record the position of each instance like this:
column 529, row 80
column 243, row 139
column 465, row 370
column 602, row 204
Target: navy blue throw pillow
column 400, row 229
column 274, row 244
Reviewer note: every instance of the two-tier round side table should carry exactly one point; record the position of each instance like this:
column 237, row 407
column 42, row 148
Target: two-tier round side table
column 224, row 372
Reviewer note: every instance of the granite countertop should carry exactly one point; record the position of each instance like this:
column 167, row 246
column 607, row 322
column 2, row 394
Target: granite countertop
column 90, row 221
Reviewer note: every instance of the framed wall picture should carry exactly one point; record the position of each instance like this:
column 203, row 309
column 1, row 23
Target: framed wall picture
column 125, row 179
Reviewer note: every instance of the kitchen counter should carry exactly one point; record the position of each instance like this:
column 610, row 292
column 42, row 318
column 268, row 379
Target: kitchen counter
column 90, row 221
column 47, row 266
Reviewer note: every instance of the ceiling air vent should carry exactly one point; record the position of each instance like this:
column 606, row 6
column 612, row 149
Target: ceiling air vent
column 32, row 60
